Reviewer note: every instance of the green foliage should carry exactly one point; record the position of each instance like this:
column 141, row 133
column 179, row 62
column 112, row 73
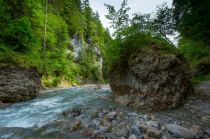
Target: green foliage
column 123, row 48
column 142, row 32
column 118, row 19
column 164, row 23
column 193, row 51
column 49, row 81
column 22, row 24
column 89, row 68
column 192, row 19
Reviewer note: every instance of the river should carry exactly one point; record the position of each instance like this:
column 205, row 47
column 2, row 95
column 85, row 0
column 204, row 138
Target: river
column 33, row 119
column 49, row 107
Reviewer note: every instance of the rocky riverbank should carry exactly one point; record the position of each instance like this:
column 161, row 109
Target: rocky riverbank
column 191, row 121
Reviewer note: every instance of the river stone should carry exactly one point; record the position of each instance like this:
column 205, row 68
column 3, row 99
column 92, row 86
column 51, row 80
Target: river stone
column 121, row 132
column 154, row 133
column 181, row 132
column 132, row 137
column 136, row 131
column 77, row 125
column 18, row 84
column 152, row 124
column 208, row 132
column 112, row 115
column 151, row 80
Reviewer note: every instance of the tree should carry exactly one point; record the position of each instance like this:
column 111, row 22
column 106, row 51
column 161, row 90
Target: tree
column 118, row 19
column 192, row 19
column 164, row 23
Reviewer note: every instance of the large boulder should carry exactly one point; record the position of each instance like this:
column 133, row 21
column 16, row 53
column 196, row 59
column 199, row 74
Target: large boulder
column 18, row 84
column 150, row 79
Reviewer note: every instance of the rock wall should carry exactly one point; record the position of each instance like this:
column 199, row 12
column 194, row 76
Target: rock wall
column 151, row 80
column 18, row 84
column 77, row 46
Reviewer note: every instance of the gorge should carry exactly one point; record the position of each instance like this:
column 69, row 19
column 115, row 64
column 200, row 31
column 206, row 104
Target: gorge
column 63, row 75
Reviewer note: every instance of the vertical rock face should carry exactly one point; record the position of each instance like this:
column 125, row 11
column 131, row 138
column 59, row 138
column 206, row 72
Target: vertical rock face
column 18, row 84
column 77, row 46
column 150, row 80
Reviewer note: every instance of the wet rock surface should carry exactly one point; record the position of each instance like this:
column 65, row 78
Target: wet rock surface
column 18, row 84
column 150, row 80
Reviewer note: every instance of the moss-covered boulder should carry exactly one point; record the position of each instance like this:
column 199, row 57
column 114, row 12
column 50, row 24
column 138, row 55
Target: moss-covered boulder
column 150, row 79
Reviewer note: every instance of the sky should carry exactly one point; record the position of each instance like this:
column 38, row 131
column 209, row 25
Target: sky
column 142, row 6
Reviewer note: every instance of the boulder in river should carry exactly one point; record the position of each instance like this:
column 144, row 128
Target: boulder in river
column 18, row 84
column 150, row 79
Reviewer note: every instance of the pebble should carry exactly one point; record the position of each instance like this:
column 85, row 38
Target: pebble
column 112, row 115
column 132, row 137
column 152, row 124
column 121, row 132
column 100, row 115
column 114, row 122
column 136, row 131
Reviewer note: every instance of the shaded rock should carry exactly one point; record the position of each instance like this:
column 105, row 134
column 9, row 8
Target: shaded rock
column 124, row 100
column 77, row 125
column 87, row 132
column 18, row 84
column 150, row 80
column 208, row 132
column 154, row 133
column 136, row 131
column 72, row 113
column 76, row 112
column 181, row 132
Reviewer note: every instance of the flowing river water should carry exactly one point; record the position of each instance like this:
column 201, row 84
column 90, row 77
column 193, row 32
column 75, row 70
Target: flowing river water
column 49, row 107
column 21, row 119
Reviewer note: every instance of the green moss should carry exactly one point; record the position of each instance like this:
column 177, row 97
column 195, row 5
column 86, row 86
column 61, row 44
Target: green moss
column 121, row 49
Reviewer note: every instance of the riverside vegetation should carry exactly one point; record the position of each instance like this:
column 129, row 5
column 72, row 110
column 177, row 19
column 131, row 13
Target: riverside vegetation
column 158, row 89
column 75, row 43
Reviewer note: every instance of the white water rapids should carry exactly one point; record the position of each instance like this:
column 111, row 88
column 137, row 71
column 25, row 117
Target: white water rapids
column 49, row 107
